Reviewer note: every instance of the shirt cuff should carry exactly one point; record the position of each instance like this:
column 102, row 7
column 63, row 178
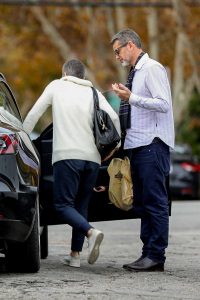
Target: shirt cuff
column 133, row 99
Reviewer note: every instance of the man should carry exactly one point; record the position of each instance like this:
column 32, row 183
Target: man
column 147, row 119
column 75, row 158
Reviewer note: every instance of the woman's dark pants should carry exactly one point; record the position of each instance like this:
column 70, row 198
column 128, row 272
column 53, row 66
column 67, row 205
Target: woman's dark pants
column 73, row 187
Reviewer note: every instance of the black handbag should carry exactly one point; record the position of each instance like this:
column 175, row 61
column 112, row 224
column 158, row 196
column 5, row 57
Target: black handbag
column 105, row 133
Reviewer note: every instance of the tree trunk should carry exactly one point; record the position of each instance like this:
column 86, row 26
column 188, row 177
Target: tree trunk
column 120, row 18
column 116, row 21
column 178, row 81
column 152, row 27
column 181, row 89
column 90, row 36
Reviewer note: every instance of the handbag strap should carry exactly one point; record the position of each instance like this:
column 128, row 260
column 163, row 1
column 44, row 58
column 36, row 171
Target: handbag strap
column 97, row 108
column 96, row 98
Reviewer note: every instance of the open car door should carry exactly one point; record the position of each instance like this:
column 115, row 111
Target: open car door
column 100, row 208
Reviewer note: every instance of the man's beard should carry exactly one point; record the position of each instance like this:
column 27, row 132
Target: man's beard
column 125, row 63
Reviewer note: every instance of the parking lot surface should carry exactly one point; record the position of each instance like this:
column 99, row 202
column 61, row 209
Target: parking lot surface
column 106, row 279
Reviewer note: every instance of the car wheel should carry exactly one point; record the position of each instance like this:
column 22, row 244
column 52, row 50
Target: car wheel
column 44, row 243
column 25, row 257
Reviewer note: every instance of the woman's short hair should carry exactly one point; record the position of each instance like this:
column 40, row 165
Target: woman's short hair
column 74, row 67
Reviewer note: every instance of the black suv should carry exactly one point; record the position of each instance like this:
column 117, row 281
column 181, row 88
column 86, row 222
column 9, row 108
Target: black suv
column 19, row 181
column 185, row 173
column 26, row 184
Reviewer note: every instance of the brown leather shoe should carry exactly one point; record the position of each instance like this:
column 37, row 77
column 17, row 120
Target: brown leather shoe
column 145, row 265
column 126, row 266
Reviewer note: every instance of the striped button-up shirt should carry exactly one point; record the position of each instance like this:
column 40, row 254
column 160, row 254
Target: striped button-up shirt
column 151, row 106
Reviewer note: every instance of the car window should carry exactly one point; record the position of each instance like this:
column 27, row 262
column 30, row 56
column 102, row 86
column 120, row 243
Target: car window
column 8, row 109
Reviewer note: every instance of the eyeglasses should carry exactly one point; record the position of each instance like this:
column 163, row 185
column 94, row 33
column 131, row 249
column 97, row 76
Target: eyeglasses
column 117, row 51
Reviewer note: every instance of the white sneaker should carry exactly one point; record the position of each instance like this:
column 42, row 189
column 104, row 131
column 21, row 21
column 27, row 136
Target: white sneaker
column 94, row 241
column 72, row 261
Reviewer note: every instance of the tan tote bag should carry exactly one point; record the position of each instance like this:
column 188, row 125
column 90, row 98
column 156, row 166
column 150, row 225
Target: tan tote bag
column 120, row 186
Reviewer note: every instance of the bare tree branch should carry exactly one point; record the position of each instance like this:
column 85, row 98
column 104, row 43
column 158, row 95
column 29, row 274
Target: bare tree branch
column 55, row 37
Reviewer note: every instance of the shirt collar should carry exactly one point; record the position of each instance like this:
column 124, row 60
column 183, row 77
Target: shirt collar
column 77, row 80
column 142, row 61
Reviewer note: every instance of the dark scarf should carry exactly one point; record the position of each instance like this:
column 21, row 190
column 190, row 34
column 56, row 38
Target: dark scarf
column 125, row 108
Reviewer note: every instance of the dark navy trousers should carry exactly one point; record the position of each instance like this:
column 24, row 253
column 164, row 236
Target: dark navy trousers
column 73, row 187
column 150, row 167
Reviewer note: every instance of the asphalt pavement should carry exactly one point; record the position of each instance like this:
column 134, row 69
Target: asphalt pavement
column 107, row 279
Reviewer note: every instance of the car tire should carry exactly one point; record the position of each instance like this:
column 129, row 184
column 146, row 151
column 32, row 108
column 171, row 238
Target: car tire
column 44, row 243
column 25, row 256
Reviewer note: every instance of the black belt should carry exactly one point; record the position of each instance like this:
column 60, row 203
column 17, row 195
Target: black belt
column 155, row 140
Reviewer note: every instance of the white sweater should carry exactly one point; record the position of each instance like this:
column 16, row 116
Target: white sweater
column 72, row 104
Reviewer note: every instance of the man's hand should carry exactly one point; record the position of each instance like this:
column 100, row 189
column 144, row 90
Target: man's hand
column 122, row 91
column 99, row 189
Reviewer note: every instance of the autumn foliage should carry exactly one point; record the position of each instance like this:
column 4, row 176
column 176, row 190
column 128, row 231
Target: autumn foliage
column 35, row 41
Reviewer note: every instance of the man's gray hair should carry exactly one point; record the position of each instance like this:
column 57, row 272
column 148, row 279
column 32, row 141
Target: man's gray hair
column 126, row 35
column 74, row 67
